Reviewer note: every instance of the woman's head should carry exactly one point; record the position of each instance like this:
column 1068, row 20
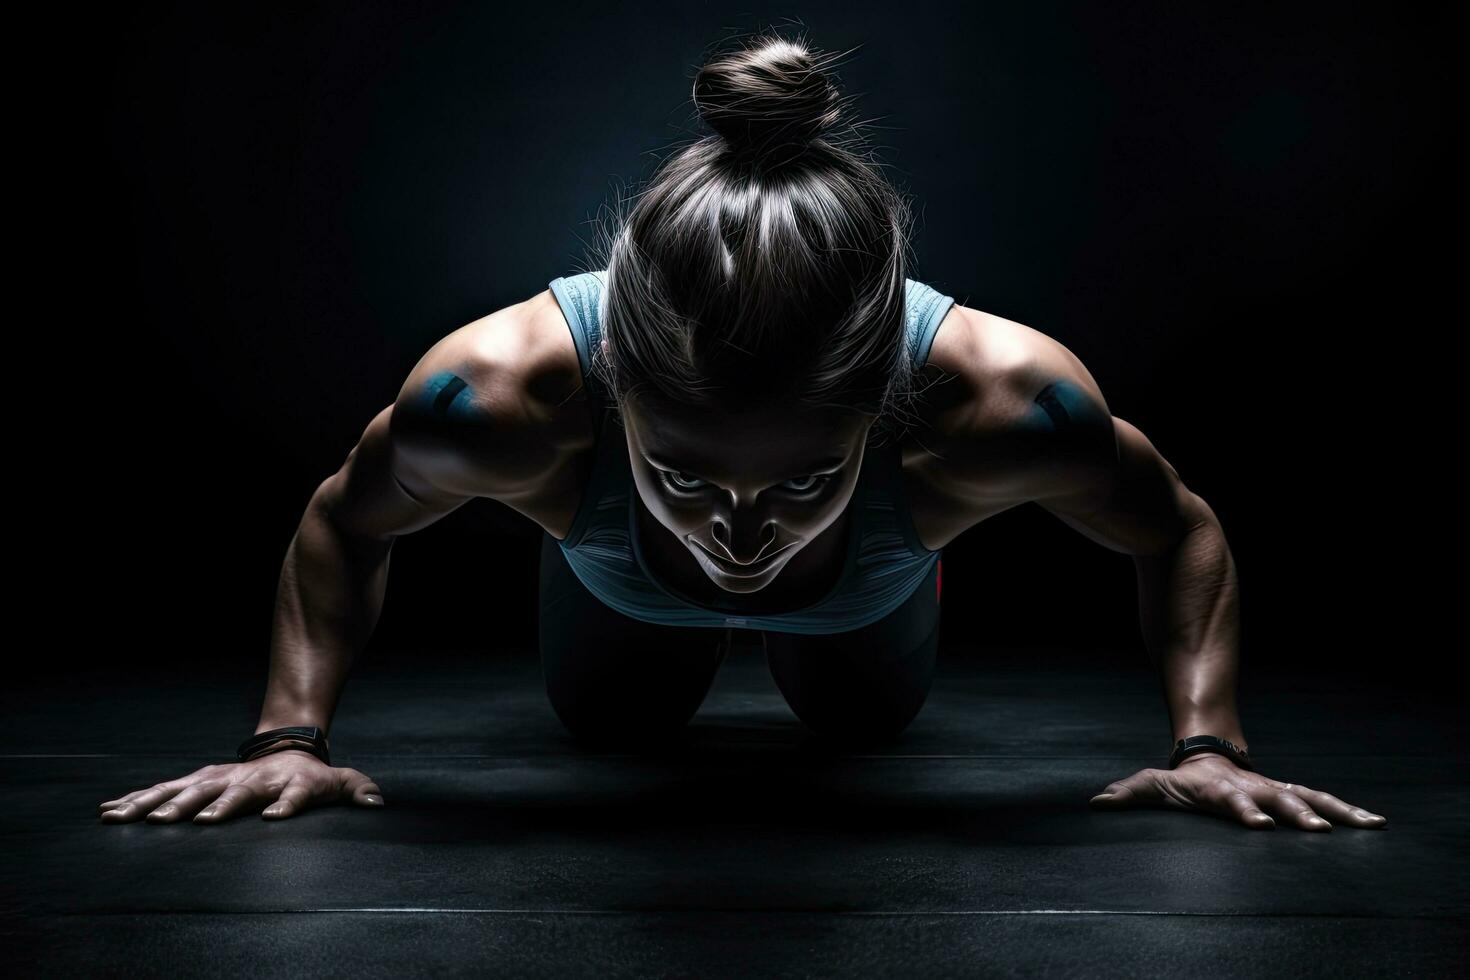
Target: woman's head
column 765, row 262
column 759, row 276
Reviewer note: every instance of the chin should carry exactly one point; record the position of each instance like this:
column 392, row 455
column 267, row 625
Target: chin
column 741, row 585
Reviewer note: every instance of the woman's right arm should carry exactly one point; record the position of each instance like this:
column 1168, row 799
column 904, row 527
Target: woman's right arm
column 457, row 430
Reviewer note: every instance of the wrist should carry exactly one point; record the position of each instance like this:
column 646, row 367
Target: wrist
column 1224, row 725
column 1208, row 743
column 304, row 738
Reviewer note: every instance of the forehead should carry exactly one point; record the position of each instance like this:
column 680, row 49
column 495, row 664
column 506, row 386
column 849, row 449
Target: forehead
column 788, row 433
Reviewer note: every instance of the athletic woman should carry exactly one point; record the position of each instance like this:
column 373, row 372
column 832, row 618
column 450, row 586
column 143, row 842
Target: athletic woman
column 748, row 417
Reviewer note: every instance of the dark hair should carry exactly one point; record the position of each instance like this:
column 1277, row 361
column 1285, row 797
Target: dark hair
column 764, row 262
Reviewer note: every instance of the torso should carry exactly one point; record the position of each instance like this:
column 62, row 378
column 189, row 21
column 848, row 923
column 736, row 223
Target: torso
column 969, row 347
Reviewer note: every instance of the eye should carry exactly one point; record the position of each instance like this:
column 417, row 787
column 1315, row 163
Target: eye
column 683, row 483
column 676, row 481
column 809, row 489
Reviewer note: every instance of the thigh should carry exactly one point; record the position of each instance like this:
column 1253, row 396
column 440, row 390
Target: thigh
column 863, row 686
column 612, row 678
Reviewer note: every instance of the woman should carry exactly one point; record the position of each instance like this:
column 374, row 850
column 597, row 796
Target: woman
column 749, row 418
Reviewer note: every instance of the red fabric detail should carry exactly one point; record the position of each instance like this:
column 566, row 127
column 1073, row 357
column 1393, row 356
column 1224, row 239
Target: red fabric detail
column 938, row 579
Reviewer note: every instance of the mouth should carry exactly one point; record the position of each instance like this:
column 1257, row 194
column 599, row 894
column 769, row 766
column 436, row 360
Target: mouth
column 742, row 571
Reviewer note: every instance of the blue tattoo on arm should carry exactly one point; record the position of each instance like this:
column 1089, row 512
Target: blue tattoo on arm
column 1050, row 400
column 1066, row 406
column 448, row 396
column 1070, row 414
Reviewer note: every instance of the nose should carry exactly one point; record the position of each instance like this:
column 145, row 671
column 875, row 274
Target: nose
column 748, row 548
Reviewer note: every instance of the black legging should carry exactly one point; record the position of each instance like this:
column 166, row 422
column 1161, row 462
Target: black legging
column 613, row 679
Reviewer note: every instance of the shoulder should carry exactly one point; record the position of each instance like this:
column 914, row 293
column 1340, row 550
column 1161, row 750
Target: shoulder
column 502, row 394
column 1006, row 396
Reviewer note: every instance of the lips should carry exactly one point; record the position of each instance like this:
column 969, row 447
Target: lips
column 742, row 571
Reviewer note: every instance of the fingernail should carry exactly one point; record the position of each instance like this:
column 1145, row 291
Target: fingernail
column 377, row 800
column 273, row 810
column 1318, row 822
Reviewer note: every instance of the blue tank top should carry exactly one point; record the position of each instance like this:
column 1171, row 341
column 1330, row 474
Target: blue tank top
column 883, row 563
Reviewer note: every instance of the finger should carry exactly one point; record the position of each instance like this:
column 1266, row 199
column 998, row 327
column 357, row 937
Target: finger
column 294, row 798
column 1246, row 811
column 362, row 790
column 1137, row 788
column 236, row 797
column 156, row 790
column 187, row 803
column 1292, row 808
column 135, row 806
column 172, row 784
column 1324, row 802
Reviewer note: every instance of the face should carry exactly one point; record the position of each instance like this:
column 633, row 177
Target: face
column 744, row 492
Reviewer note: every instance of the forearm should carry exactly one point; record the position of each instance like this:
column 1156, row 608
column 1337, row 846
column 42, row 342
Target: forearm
column 327, row 603
column 1189, row 611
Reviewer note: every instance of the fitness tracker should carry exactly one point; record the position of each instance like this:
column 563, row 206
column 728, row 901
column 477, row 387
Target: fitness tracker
column 1194, row 744
column 307, row 738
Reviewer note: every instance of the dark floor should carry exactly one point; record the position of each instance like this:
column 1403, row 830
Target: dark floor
column 965, row 849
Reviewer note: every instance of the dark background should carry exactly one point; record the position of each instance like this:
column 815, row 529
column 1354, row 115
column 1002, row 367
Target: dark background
column 254, row 219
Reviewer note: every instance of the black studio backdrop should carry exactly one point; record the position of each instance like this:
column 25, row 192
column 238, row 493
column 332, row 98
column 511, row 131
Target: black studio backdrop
column 257, row 217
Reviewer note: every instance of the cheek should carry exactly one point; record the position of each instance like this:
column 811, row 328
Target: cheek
column 818, row 521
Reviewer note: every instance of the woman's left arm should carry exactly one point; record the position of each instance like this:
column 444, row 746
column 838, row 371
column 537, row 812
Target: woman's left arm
column 1055, row 442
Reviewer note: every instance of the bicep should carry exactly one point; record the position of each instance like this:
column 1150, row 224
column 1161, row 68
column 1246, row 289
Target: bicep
column 453, row 434
column 1097, row 473
column 378, row 492
column 1136, row 504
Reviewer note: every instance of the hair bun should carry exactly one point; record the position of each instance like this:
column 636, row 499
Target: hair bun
column 773, row 93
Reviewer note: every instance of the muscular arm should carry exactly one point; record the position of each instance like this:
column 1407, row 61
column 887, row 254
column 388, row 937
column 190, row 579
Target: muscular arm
column 452, row 434
column 1042, row 432
column 1049, row 437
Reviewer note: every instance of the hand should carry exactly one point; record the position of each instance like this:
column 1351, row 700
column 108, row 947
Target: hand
column 1210, row 782
column 284, row 783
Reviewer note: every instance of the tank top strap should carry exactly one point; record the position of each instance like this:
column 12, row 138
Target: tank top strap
column 925, row 308
column 581, row 300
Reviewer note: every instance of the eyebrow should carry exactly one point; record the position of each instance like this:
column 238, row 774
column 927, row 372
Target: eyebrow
column 818, row 467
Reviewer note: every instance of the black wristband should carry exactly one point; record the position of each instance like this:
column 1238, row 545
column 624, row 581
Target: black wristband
column 307, row 738
column 1195, row 744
